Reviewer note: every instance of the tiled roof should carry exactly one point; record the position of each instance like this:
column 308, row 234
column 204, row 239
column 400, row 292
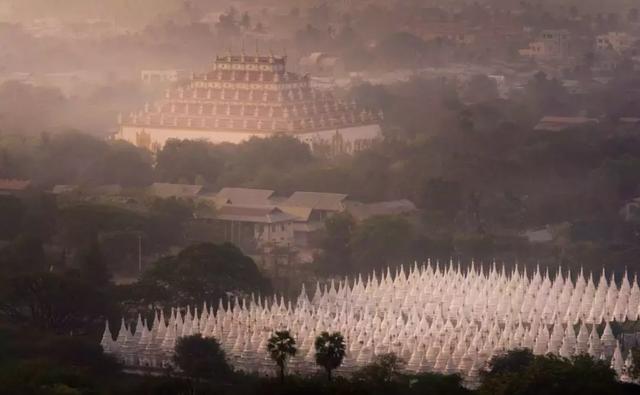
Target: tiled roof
column 14, row 185
column 241, row 97
column 317, row 201
column 302, row 213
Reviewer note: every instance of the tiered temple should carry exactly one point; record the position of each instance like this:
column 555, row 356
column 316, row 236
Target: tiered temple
column 436, row 319
column 245, row 96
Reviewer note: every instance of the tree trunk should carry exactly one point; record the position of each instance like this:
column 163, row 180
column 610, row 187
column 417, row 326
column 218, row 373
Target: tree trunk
column 282, row 374
column 329, row 374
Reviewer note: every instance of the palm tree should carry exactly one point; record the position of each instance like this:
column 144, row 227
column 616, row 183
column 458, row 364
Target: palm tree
column 330, row 350
column 281, row 346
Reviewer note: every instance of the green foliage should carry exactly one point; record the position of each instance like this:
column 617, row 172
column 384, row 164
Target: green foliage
column 25, row 254
column 34, row 362
column 481, row 88
column 93, row 268
column 380, row 241
column 201, row 358
column 281, row 346
column 11, row 211
column 204, row 271
column 51, row 301
column 519, row 372
column 76, row 158
column 330, row 351
column 433, row 383
column 80, row 224
column 382, row 372
column 181, row 161
column 335, row 244
column 442, row 200
column 374, row 243
column 634, row 372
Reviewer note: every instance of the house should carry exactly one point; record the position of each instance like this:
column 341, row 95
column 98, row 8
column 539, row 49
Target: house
column 166, row 190
column 551, row 44
column 63, row 189
column 618, row 42
column 311, row 209
column 321, row 202
column 557, row 124
column 256, row 226
column 541, row 235
column 14, row 187
column 306, row 226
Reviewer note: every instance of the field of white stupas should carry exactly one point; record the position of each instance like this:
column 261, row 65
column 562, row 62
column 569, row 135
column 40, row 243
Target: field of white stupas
column 436, row 318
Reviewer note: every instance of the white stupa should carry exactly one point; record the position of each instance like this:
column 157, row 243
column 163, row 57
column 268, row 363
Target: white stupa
column 438, row 319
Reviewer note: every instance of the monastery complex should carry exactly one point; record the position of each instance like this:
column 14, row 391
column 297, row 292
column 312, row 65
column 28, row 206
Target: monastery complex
column 436, row 319
column 251, row 96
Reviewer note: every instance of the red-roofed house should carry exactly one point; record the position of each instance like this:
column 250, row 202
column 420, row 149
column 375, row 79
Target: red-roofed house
column 14, row 187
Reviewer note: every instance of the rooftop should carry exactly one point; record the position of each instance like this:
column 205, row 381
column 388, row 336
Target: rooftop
column 317, row 201
column 253, row 214
column 243, row 196
column 249, row 93
column 555, row 124
column 14, row 185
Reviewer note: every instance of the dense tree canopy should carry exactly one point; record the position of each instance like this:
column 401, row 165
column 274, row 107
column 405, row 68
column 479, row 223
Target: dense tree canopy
column 205, row 272
column 201, row 358
column 52, row 301
column 520, row 372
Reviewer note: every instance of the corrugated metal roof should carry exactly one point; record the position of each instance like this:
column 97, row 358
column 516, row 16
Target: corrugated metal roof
column 317, row 201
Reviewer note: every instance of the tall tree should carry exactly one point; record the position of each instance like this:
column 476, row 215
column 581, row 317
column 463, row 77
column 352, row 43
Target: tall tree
column 335, row 244
column 52, row 301
column 381, row 241
column 330, row 351
column 93, row 267
column 201, row 358
column 281, row 346
column 205, row 271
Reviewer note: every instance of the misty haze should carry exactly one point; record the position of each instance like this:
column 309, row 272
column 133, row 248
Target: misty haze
column 320, row 197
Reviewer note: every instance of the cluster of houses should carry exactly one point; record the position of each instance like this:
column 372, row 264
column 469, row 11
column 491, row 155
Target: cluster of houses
column 560, row 46
column 257, row 220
